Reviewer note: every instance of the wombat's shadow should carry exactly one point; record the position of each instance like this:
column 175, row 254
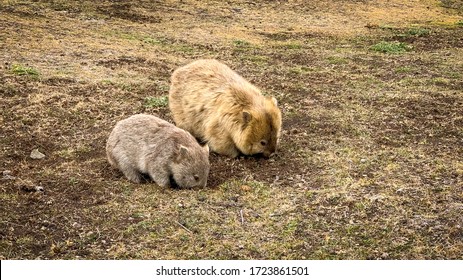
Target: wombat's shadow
column 222, row 170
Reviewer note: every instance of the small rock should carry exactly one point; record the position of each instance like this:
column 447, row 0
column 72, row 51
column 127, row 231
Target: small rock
column 29, row 186
column 363, row 160
column 7, row 175
column 35, row 154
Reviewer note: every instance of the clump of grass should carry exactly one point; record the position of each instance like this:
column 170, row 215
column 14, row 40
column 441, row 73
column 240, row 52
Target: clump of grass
column 441, row 81
column 391, row 47
column 241, row 44
column 183, row 48
column 387, row 27
column 459, row 23
column 406, row 33
column 404, row 69
column 258, row 59
column 299, row 70
column 418, row 32
column 293, row 46
column 152, row 41
column 22, row 70
column 157, row 101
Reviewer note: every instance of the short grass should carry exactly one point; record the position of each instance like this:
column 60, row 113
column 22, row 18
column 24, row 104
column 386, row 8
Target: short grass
column 391, row 47
column 369, row 161
column 22, row 70
column 157, row 102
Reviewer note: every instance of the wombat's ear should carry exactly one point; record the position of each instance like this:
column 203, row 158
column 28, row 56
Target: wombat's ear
column 181, row 152
column 273, row 100
column 247, row 117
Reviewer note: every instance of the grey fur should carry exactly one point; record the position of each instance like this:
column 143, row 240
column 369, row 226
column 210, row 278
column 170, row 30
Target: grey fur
column 145, row 144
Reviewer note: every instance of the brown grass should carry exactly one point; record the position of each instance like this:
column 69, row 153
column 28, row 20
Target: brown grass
column 370, row 160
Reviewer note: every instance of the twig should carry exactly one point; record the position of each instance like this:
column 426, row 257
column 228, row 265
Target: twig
column 241, row 215
column 184, row 227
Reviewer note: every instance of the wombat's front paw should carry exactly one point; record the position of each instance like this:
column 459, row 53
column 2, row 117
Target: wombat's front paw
column 133, row 176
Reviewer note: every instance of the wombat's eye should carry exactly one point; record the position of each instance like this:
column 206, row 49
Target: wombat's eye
column 263, row 142
column 196, row 177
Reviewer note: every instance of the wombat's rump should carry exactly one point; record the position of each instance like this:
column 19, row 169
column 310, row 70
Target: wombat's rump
column 217, row 105
column 144, row 144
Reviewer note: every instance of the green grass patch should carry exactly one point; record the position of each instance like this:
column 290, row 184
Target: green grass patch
column 258, row 59
column 22, row 70
column 454, row 75
column 293, row 46
column 241, row 44
column 183, row 48
column 404, row 69
column 410, row 32
column 391, row 47
column 153, row 41
column 299, row 70
column 156, row 102
column 387, row 27
column 418, row 32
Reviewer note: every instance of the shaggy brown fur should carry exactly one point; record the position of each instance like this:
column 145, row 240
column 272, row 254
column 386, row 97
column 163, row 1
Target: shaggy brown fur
column 217, row 105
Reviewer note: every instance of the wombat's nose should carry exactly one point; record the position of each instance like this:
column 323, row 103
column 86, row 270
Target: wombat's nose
column 267, row 154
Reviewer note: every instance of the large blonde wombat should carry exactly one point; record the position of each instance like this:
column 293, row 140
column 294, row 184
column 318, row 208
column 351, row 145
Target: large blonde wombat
column 144, row 144
column 217, row 105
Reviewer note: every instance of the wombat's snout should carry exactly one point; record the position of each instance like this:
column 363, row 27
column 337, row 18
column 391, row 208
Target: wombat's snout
column 270, row 152
column 267, row 154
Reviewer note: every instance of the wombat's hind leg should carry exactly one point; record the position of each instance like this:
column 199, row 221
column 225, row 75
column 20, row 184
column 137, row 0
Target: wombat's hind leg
column 132, row 174
column 161, row 178
column 223, row 147
column 162, row 181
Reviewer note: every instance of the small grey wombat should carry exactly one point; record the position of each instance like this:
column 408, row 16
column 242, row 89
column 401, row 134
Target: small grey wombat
column 144, row 144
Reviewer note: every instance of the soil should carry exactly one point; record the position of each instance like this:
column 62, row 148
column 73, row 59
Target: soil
column 369, row 163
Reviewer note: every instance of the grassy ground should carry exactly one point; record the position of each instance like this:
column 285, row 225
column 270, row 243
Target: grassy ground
column 369, row 165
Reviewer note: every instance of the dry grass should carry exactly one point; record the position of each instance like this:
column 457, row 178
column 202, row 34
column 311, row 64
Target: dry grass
column 370, row 160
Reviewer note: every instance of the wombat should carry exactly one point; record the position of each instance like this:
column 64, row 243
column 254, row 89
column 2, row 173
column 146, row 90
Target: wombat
column 145, row 144
column 218, row 106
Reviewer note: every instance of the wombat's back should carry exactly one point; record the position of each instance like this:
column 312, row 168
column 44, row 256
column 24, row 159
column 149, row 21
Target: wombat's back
column 205, row 88
column 145, row 144
column 130, row 138
column 217, row 105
